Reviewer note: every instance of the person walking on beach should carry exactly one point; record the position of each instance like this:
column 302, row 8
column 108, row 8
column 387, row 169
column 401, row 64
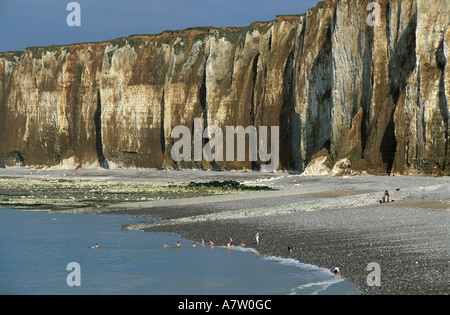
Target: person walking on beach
column 203, row 242
column 257, row 236
column 211, row 243
column 230, row 243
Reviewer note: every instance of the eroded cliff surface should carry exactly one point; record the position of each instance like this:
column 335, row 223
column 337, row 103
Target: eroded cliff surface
column 377, row 95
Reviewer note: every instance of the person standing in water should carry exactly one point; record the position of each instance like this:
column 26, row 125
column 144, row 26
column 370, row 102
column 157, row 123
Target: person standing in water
column 257, row 236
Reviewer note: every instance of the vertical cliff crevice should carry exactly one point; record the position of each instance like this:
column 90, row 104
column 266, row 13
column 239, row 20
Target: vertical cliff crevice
column 443, row 106
column 253, row 107
column 367, row 86
column 203, row 97
column 254, row 75
column 162, row 137
column 389, row 144
column 98, row 132
column 441, row 62
column 270, row 42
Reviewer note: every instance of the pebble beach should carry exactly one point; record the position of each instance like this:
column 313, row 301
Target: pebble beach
column 344, row 227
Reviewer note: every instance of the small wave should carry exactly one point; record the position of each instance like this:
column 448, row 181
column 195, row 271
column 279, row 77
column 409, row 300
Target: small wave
column 312, row 288
column 240, row 249
column 317, row 287
column 245, row 249
column 295, row 263
column 284, row 261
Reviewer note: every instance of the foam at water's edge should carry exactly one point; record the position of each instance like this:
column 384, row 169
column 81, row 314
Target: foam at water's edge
column 281, row 260
column 322, row 286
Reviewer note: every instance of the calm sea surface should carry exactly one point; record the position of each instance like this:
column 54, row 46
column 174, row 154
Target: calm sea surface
column 36, row 248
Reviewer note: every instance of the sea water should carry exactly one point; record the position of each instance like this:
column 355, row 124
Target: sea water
column 37, row 247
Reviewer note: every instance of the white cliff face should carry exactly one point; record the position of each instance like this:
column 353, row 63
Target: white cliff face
column 375, row 95
column 423, row 109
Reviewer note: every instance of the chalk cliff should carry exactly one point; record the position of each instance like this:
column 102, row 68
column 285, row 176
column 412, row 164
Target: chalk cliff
column 376, row 95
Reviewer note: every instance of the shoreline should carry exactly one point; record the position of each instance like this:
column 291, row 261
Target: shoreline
column 327, row 221
column 402, row 272
column 407, row 238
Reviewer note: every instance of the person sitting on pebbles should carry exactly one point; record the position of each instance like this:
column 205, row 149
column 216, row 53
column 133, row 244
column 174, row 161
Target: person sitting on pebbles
column 386, row 197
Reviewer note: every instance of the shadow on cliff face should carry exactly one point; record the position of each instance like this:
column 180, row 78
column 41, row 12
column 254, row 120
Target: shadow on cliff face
column 367, row 86
column 401, row 63
column 15, row 159
column 289, row 120
column 403, row 59
column 389, row 145
column 98, row 132
column 315, row 127
column 443, row 104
